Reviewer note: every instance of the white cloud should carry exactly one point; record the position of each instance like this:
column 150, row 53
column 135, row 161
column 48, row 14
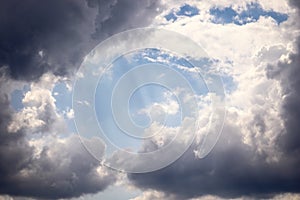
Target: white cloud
column 70, row 114
column 39, row 112
column 158, row 111
column 255, row 103
column 154, row 195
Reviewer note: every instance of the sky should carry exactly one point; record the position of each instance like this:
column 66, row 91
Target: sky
column 152, row 99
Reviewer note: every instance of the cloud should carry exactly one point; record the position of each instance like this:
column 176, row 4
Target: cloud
column 257, row 154
column 155, row 195
column 295, row 3
column 46, row 165
column 185, row 10
column 43, row 43
column 39, row 113
column 112, row 15
column 233, row 169
column 62, row 169
column 38, row 37
column 251, row 14
column 287, row 72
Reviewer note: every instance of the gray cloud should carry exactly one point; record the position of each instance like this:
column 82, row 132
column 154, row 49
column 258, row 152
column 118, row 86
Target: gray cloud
column 121, row 11
column 51, row 169
column 233, row 169
column 61, row 170
column 59, row 29
column 39, row 37
column 288, row 73
column 295, row 3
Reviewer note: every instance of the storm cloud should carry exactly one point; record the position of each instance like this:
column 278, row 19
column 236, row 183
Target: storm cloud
column 37, row 37
column 42, row 42
column 288, row 73
column 231, row 170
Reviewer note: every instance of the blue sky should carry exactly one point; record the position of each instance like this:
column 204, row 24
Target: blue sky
column 17, row 97
column 143, row 97
column 251, row 14
column 225, row 15
column 185, row 10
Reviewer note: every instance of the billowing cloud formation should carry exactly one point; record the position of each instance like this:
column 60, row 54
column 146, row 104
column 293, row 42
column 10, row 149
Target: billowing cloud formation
column 232, row 170
column 37, row 37
column 43, row 166
column 288, row 73
column 43, row 43
column 257, row 155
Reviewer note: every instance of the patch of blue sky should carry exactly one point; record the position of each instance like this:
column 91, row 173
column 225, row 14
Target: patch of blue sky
column 154, row 93
column 17, row 97
column 115, row 192
column 62, row 96
column 252, row 13
column 63, row 103
column 147, row 95
column 105, row 117
column 185, row 10
column 171, row 16
column 141, row 99
column 211, row 66
column 181, row 65
column 229, row 84
column 60, row 92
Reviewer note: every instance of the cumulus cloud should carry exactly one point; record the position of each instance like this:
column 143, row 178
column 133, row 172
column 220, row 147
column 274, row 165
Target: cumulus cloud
column 61, row 169
column 155, row 195
column 233, row 169
column 256, row 156
column 39, row 113
column 45, row 166
column 287, row 73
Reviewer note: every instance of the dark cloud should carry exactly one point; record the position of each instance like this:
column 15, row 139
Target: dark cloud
column 62, row 170
column 233, row 169
column 288, row 73
column 295, row 3
column 121, row 11
column 37, row 37
column 40, row 36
